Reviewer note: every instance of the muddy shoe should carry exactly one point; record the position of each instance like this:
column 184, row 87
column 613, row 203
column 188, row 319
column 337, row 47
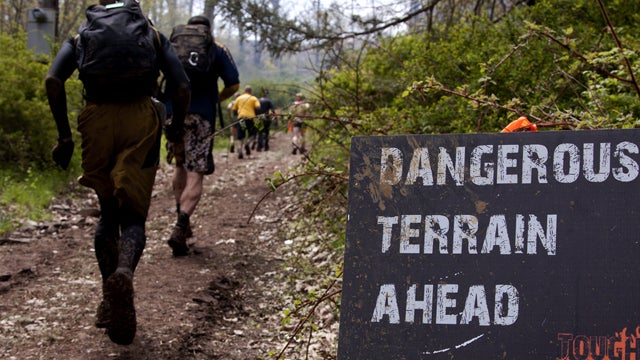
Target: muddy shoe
column 178, row 241
column 103, row 315
column 119, row 298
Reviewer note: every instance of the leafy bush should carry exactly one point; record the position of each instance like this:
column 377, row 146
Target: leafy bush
column 478, row 75
column 27, row 130
column 28, row 177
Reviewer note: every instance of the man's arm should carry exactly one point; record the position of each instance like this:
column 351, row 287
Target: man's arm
column 228, row 91
column 57, row 97
column 61, row 69
column 229, row 73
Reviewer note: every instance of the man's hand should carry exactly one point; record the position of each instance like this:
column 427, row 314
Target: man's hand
column 173, row 133
column 62, row 152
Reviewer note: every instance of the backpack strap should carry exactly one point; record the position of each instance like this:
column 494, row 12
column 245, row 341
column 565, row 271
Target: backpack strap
column 159, row 44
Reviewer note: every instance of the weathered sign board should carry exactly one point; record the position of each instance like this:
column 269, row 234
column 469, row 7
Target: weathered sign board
column 493, row 246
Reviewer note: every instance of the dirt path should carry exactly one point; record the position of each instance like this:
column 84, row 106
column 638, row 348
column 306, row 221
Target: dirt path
column 219, row 303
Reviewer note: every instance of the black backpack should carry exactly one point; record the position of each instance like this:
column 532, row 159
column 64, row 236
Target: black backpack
column 193, row 44
column 116, row 49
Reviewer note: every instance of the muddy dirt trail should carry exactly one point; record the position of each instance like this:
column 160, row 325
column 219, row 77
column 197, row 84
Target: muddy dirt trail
column 221, row 302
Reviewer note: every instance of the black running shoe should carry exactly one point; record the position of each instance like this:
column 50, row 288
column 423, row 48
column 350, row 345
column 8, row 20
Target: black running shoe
column 103, row 315
column 178, row 241
column 119, row 297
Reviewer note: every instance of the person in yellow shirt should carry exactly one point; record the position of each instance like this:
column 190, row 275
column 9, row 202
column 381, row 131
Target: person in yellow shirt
column 245, row 107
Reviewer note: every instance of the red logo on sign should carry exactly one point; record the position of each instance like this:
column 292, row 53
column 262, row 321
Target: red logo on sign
column 600, row 347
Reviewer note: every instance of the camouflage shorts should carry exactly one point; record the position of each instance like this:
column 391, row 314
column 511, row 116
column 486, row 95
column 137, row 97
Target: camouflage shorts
column 195, row 152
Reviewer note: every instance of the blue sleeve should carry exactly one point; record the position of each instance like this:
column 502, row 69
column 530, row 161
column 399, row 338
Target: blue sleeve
column 228, row 70
column 64, row 64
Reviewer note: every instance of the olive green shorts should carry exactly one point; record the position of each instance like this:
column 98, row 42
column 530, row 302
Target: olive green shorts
column 120, row 151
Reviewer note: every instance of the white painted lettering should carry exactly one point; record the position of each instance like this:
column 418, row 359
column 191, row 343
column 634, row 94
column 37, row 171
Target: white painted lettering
column 505, row 163
column 407, row 232
column 497, row 235
column 629, row 168
column 420, row 167
column 481, row 173
column 507, row 305
column 604, row 161
column 548, row 239
column 566, row 163
column 520, row 227
column 455, row 170
column 425, row 305
column 534, row 158
column 386, row 304
column 476, row 307
column 509, row 164
column 465, row 227
column 387, row 226
column 445, row 302
column 506, row 236
column 436, row 228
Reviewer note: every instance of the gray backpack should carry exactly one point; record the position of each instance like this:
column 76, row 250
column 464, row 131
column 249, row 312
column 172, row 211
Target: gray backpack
column 193, row 44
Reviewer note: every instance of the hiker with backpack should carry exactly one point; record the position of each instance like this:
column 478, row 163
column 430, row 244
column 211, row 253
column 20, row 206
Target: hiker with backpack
column 267, row 111
column 245, row 107
column 297, row 111
column 118, row 55
column 204, row 61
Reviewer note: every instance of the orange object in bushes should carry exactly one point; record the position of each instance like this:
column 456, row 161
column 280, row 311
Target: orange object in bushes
column 522, row 124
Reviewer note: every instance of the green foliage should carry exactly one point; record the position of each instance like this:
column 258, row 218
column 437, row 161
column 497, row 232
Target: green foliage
column 28, row 178
column 27, row 194
column 477, row 75
column 27, row 130
column 25, row 122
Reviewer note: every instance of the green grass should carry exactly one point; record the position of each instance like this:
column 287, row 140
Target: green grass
column 220, row 143
column 26, row 195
